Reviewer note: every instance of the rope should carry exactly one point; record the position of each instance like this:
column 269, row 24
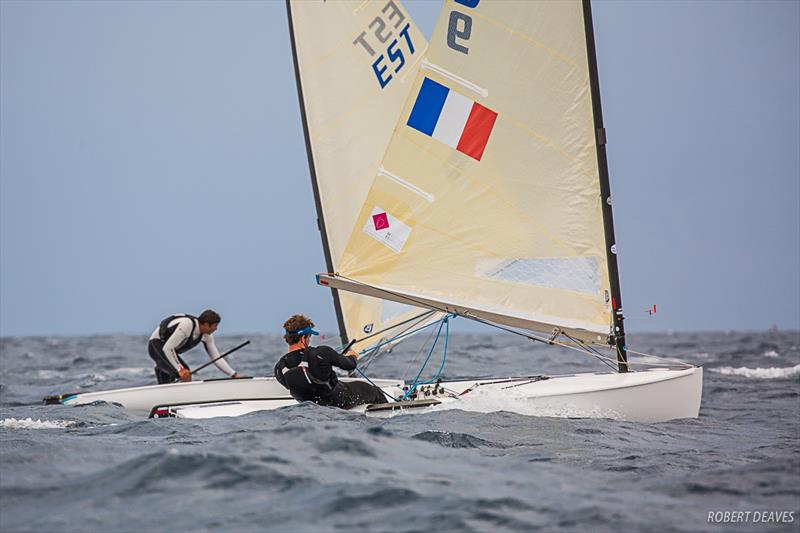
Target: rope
column 444, row 354
column 363, row 375
column 398, row 337
column 422, row 349
column 667, row 359
column 370, row 357
column 444, row 322
column 421, row 317
column 591, row 351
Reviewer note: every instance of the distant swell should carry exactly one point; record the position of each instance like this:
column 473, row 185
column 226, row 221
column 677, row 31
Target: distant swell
column 759, row 373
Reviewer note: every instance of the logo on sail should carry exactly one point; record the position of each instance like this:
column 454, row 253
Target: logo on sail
column 380, row 221
column 386, row 229
column 452, row 118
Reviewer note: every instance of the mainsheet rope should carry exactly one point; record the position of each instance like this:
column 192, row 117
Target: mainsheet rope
column 371, row 353
column 443, row 322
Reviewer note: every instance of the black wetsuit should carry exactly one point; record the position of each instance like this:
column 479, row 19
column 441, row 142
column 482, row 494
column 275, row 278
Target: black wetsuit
column 177, row 334
column 309, row 376
column 165, row 370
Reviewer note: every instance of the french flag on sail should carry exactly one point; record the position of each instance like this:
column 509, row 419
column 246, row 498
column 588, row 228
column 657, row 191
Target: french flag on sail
column 452, row 118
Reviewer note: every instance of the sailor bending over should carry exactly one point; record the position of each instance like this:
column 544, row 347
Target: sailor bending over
column 308, row 372
column 178, row 334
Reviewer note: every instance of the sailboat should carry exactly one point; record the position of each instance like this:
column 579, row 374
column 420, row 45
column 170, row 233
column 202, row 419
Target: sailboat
column 468, row 177
column 491, row 200
column 493, row 203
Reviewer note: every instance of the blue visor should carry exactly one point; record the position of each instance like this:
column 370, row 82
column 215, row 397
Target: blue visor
column 308, row 330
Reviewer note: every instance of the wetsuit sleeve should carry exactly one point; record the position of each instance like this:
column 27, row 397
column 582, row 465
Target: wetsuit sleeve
column 279, row 371
column 181, row 333
column 213, row 353
column 332, row 356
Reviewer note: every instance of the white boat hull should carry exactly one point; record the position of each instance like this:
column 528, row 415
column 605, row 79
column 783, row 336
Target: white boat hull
column 650, row 396
column 175, row 394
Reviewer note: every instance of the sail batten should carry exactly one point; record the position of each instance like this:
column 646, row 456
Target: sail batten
column 466, row 84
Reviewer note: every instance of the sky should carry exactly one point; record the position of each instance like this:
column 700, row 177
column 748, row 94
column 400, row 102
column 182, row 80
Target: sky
column 152, row 161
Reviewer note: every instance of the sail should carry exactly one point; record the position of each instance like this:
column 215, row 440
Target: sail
column 355, row 63
column 488, row 201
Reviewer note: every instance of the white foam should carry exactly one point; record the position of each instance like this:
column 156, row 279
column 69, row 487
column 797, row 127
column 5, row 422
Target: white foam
column 772, row 353
column 759, row 373
column 49, row 374
column 29, row 423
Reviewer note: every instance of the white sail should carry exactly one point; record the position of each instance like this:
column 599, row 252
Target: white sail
column 355, row 62
column 488, row 199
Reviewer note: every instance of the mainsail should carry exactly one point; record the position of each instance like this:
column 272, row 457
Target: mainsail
column 355, row 63
column 492, row 198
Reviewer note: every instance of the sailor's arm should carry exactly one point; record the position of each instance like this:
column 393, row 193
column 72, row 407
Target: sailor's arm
column 213, row 353
column 345, row 362
column 279, row 366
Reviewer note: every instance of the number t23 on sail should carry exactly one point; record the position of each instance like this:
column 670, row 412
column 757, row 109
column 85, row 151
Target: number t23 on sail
column 377, row 34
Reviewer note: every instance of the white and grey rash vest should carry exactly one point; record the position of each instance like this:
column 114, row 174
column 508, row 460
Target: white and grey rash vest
column 187, row 330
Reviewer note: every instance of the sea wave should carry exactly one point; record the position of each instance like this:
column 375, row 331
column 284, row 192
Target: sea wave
column 759, row 373
column 128, row 371
column 29, row 423
column 451, row 439
column 49, row 374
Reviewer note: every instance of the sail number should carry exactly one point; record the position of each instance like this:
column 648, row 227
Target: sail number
column 389, row 58
column 459, row 28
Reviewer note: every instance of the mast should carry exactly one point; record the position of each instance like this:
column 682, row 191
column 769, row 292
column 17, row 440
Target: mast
column 312, row 171
column 618, row 334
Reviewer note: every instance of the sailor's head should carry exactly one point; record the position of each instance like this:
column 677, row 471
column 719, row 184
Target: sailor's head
column 209, row 321
column 298, row 328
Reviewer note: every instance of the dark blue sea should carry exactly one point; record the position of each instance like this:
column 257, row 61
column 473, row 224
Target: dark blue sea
column 310, row 468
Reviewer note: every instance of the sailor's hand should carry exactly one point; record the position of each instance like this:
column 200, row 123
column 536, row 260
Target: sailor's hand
column 235, row 375
column 352, row 354
column 184, row 374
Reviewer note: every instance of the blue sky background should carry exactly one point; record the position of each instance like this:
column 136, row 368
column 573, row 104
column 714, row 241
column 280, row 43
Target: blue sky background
column 152, row 161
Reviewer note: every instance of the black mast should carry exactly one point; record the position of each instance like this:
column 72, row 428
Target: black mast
column 317, row 201
column 618, row 335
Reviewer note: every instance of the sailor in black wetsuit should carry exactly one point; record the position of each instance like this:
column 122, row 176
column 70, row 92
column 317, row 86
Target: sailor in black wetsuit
column 308, row 372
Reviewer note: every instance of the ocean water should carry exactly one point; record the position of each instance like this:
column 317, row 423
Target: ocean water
column 311, row 468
